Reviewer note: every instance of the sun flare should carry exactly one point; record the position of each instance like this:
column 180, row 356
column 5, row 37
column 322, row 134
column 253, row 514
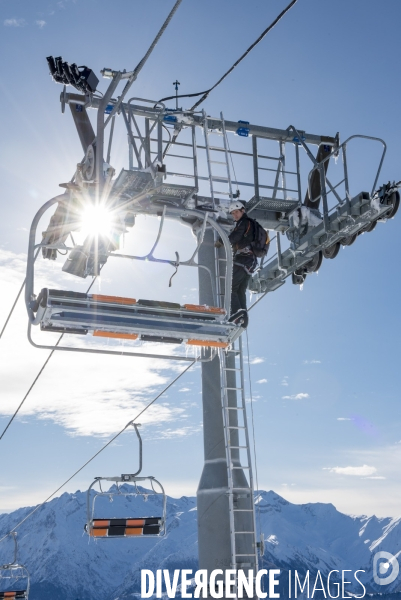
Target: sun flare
column 96, row 220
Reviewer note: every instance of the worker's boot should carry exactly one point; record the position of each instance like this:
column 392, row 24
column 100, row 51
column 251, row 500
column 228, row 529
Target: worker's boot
column 240, row 318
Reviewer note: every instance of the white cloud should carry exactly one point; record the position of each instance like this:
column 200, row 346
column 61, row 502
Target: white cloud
column 374, row 477
column 14, row 22
column 299, row 396
column 180, row 432
column 343, row 419
column 261, row 381
column 40, row 23
column 85, row 394
column 257, row 360
column 312, row 362
column 285, row 380
column 363, row 471
column 184, row 389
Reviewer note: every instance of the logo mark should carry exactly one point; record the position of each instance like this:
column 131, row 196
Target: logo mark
column 389, row 564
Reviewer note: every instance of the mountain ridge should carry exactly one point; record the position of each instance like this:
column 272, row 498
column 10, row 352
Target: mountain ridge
column 65, row 563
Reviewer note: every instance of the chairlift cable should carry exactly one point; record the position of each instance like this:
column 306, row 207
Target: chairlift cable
column 31, row 387
column 142, row 62
column 206, row 93
column 42, row 368
column 16, row 300
column 101, row 449
column 12, row 308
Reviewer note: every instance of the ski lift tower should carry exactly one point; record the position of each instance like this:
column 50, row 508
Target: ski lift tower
column 178, row 168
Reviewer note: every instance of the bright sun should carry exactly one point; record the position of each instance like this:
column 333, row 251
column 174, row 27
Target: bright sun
column 96, row 220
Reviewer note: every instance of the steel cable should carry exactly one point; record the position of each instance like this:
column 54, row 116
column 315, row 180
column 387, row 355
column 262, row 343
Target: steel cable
column 16, row 299
column 206, row 93
column 142, row 62
column 12, row 308
column 101, row 450
column 42, row 368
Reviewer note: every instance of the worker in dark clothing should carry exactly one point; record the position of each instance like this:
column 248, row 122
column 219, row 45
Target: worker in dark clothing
column 245, row 261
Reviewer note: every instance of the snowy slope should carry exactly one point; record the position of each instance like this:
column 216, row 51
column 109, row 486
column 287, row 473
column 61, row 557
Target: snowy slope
column 65, row 564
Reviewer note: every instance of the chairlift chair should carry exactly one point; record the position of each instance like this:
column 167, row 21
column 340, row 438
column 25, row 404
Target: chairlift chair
column 12, row 575
column 106, row 526
column 116, row 317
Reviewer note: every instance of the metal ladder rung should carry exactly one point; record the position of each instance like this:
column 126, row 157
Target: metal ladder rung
column 216, row 162
column 237, row 495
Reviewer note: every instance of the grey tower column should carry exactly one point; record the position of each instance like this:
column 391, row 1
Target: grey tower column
column 212, row 496
column 212, row 501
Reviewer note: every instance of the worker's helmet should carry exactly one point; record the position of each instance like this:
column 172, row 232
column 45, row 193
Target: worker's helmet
column 236, row 206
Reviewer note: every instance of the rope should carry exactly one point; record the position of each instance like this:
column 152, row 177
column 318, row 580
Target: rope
column 101, row 450
column 32, row 386
column 43, row 367
column 16, row 299
column 206, row 93
column 142, row 62
column 166, row 23
column 12, row 308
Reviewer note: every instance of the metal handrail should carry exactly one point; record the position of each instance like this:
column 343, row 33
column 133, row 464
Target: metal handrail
column 343, row 147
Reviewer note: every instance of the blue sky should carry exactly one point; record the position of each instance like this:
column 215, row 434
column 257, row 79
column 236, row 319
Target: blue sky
column 324, row 361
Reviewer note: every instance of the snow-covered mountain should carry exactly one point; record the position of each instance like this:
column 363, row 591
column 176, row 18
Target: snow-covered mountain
column 65, row 565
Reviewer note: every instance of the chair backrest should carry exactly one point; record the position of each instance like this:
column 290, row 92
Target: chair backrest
column 125, row 527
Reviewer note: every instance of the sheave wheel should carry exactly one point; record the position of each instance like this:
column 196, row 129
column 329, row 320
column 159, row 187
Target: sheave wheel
column 349, row 240
column 395, row 201
column 314, row 265
column 332, row 251
column 368, row 228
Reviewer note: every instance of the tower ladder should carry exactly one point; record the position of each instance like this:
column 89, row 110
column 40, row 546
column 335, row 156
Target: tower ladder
column 244, row 554
column 218, row 154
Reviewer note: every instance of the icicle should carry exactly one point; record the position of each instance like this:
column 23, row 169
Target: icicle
column 301, row 287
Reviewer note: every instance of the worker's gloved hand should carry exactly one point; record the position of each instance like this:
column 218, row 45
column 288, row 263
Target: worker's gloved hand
column 218, row 244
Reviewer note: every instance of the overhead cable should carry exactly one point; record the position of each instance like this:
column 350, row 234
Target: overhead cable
column 142, row 62
column 12, row 308
column 206, row 93
column 16, row 299
column 33, row 384
column 101, row 449
column 45, row 363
